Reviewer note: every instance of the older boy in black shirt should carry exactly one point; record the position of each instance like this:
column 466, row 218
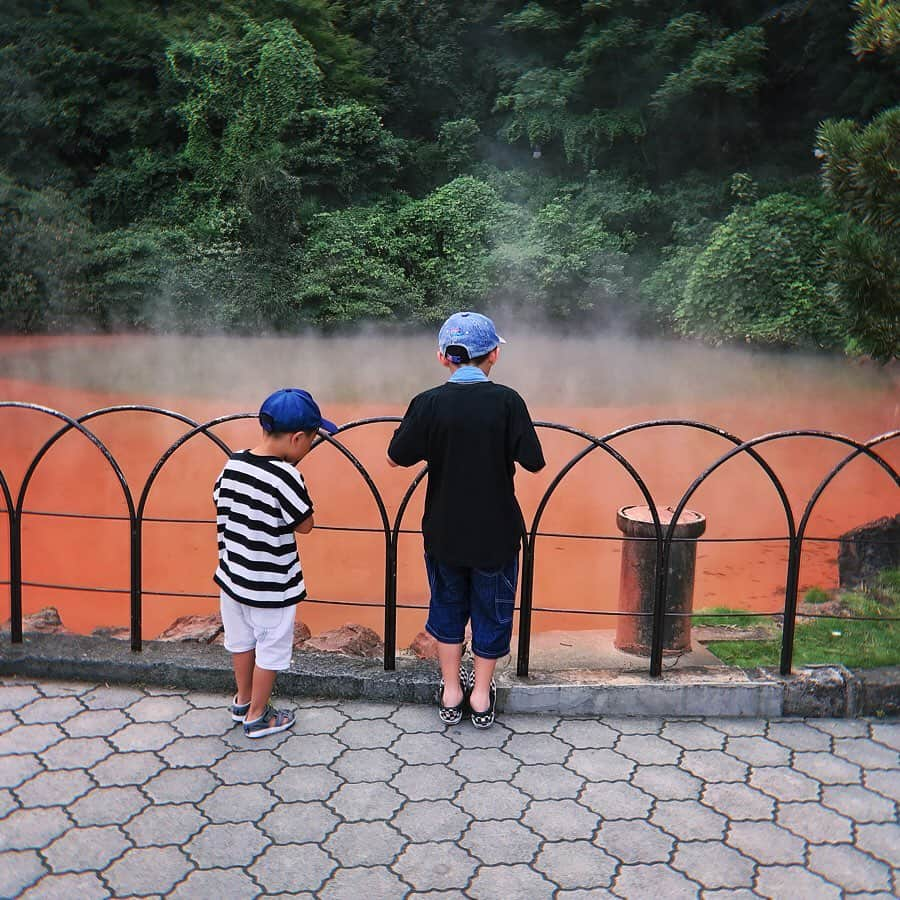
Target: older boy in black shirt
column 471, row 432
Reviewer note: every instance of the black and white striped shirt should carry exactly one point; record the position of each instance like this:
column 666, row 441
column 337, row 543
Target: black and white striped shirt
column 260, row 500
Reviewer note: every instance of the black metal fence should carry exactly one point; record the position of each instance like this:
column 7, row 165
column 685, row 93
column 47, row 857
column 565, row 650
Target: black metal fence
column 663, row 538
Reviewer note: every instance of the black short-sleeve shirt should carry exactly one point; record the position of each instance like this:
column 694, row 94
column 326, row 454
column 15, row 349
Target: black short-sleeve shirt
column 470, row 435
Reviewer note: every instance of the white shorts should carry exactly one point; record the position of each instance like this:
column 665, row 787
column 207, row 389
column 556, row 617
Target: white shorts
column 268, row 631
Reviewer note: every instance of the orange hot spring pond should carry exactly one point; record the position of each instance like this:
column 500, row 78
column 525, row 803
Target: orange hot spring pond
column 596, row 384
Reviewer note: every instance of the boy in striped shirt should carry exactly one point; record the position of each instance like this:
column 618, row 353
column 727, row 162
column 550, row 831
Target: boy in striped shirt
column 261, row 505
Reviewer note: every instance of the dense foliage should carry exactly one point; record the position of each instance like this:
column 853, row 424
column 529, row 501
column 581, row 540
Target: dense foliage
column 276, row 163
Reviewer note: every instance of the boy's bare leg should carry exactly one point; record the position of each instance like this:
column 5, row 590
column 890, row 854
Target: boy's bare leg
column 243, row 674
column 480, row 701
column 263, row 682
column 450, row 656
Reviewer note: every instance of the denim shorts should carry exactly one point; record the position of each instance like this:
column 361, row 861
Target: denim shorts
column 487, row 597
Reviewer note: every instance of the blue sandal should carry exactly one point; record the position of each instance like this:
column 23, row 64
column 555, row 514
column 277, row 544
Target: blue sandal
column 239, row 710
column 280, row 719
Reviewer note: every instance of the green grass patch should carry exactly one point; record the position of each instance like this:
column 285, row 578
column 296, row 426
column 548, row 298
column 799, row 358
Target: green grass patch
column 855, row 644
column 718, row 615
column 816, row 595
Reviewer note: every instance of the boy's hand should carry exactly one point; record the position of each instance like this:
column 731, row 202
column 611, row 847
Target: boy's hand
column 306, row 526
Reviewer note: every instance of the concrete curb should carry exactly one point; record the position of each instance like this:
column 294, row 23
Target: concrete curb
column 818, row 691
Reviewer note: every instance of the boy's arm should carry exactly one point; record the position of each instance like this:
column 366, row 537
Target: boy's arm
column 527, row 450
column 407, row 446
column 306, row 526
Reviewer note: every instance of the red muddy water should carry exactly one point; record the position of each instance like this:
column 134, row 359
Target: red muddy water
column 597, row 385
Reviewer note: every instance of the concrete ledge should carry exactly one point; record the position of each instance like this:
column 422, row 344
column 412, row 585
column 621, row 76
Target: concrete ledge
column 720, row 691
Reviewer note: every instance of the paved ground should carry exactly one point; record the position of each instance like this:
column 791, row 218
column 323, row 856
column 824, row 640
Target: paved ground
column 109, row 791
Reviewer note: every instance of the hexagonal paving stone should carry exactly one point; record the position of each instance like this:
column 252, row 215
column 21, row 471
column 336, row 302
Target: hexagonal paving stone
column 648, row 750
column 634, row 842
column 617, row 800
column 434, row 866
column 360, row 709
column 15, row 696
column 524, row 723
column 367, row 734
column 867, row 753
column 766, row 843
column 237, row 803
column 560, row 820
column 351, row 884
column 693, row 735
column 428, row 782
column 411, row 718
column 364, row 844
column 108, row 806
column 158, row 709
column 654, row 881
column 849, row 868
column 713, row 765
column 203, row 722
column 484, row 765
column 799, row 736
column 7, row 720
column 14, row 770
column 584, row 735
column 169, row 823
column 18, row 870
column 777, row 882
column 885, row 783
column 147, row 870
column 814, row 823
column 106, row 697
column 292, row 868
column 537, row 749
column 738, row 802
column 739, row 727
column 83, row 885
column 859, row 804
column 247, row 767
column 881, row 841
column 758, row 751
column 667, row 783
column 126, row 768
column 303, row 783
column 226, row 846
column 486, row 800
column 509, row 881
column 887, row 733
column 76, row 753
column 310, row 750
column 713, row 865
column 635, row 724
column 298, row 823
column 549, row 782
column 233, row 884
column 784, row 784
column 58, row 788
column 366, row 765
column 143, row 736
column 601, row 765
column 180, row 785
column 424, row 748
column 502, row 841
column 7, row 802
column 365, row 801
column 96, row 723
column 688, row 820
column 464, row 735
column 193, row 752
column 85, row 849
column 431, row 820
column 30, row 739
column 319, row 720
column 49, row 710
column 576, row 864
column 827, row 768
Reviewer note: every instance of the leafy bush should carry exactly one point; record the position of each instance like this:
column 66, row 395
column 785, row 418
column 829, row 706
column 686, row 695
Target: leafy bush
column 760, row 277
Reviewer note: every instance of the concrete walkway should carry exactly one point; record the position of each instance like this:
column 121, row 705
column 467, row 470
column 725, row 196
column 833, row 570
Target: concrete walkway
column 111, row 791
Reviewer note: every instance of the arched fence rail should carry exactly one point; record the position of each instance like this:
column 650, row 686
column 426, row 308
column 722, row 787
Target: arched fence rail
column 392, row 529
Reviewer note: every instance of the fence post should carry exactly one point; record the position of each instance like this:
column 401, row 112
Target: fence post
column 525, row 601
column 659, row 607
column 15, row 578
column 792, row 588
column 136, row 586
column 390, row 605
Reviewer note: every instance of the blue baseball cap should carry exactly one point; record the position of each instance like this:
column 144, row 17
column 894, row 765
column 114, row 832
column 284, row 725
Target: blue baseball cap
column 290, row 410
column 471, row 330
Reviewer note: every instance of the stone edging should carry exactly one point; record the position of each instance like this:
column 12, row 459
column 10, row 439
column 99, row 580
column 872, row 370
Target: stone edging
column 821, row 691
